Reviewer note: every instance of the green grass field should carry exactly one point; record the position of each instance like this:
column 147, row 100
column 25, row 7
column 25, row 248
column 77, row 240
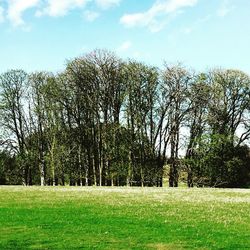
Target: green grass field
column 124, row 218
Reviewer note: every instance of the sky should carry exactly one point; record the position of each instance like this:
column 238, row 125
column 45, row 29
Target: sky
column 41, row 35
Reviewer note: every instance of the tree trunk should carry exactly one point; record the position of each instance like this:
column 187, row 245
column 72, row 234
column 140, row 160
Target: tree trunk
column 94, row 171
column 190, row 179
column 142, row 177
column 42, row 172
column 129, row 174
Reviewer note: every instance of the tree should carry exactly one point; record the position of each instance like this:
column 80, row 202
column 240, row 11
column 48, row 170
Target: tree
column 214, row 149
column 199, row 97
column 106, row 121
column 14, row 86
column 176, row 81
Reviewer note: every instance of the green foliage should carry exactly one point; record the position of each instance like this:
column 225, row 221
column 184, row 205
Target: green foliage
column 217, row 162
column 105, row 121
column 9, row 172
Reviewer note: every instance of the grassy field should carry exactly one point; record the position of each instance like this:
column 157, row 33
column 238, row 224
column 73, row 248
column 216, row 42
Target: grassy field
column 124, row 218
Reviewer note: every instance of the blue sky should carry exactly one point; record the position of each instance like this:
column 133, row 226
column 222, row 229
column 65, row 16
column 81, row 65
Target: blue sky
column 202, row 34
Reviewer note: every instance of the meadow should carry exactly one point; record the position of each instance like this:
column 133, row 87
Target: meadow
column 123, row 218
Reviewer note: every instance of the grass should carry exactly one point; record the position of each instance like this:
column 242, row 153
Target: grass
column 124, row 218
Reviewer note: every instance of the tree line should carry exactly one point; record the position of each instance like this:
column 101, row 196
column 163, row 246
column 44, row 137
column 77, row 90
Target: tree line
column 107, row 121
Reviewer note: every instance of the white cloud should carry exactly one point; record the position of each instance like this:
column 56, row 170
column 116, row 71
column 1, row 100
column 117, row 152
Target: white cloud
column 161, row 9
column 224, row 9
column 91, row 16
column 106, row 4
column 187, row 30
column 1, row 14
column 16, row 8
column 136, row 55
column 125, row 46
column 57, row 8
column 222, row 12
column 197, row 24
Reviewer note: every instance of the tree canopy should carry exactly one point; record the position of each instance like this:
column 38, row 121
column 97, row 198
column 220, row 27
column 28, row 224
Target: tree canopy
column 106, row 121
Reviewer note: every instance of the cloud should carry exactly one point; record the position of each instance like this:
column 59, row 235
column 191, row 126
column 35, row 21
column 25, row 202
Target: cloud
column 106, row 4
column 1, row 14
column 136, row 55
column 197, row 24
column 56, row 8
column 91, row 16
column 16, row 8
column 157, row 16
column 125, row 46
column 187, row 30
column 224, row 9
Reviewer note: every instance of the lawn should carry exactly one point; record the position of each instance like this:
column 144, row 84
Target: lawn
column 124, row 218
